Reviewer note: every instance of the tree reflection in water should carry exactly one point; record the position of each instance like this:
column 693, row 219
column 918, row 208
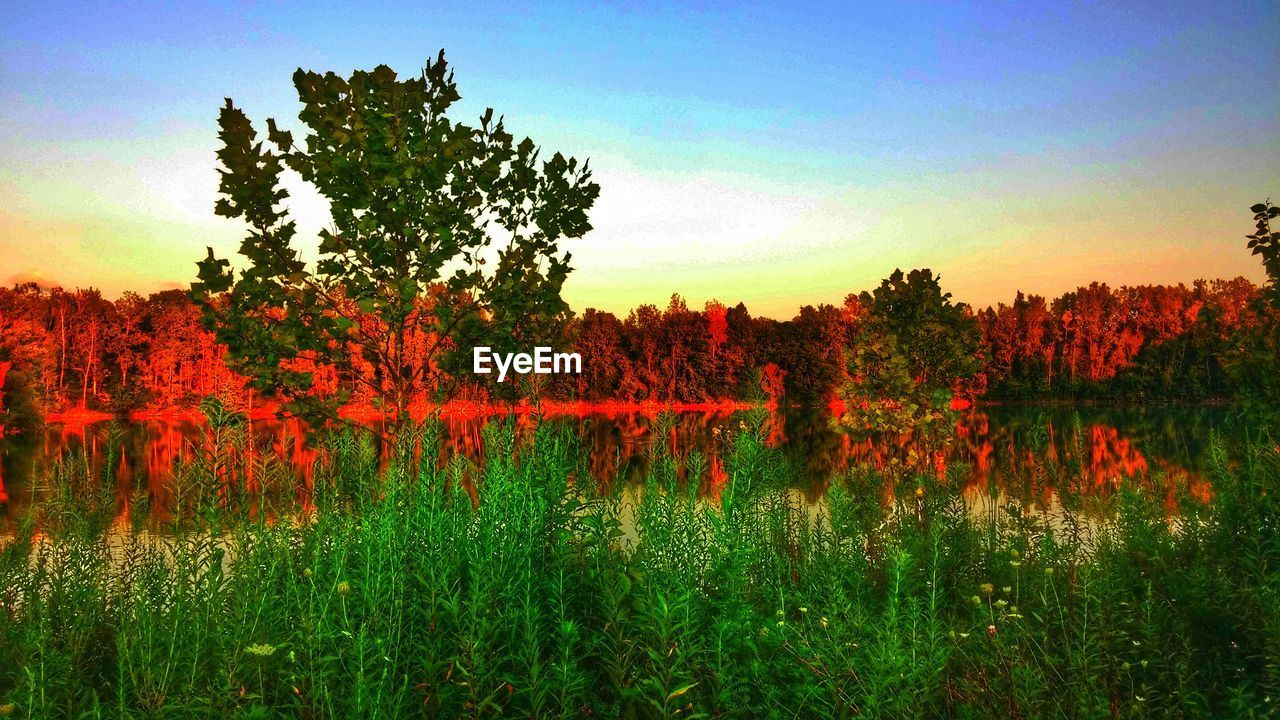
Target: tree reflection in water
column 1028, row 454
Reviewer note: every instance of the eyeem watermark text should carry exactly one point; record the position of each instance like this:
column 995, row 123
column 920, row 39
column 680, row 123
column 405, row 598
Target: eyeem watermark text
column 543, row 361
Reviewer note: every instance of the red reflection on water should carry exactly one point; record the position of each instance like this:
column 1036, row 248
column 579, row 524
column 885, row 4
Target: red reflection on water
column 1112, row 457
column 78, row 416
column 618, row 446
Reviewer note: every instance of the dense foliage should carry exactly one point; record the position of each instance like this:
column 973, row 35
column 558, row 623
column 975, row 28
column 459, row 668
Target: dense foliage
column 529, row 588
column 913, row 348
column 1130, row 343
column 76, row 349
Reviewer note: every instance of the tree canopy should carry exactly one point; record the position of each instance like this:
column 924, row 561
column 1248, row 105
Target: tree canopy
column 912, row 348
column 444, row 235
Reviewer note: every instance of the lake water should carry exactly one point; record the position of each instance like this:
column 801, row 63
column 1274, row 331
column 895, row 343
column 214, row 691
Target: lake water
column 991, row 448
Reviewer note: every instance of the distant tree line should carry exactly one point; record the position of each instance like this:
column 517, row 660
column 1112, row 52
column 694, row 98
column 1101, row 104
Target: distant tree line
column 62, row 350
column 1156, row 342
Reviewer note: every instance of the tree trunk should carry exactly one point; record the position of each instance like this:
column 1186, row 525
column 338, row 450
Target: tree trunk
column 62, row 352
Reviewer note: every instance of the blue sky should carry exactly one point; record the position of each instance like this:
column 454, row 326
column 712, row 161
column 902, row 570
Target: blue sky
column 780, row 154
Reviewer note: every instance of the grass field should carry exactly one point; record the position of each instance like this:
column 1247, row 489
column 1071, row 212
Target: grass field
column 414, row 589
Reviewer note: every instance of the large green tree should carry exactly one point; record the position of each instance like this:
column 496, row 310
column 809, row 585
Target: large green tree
column 912, row 348
column 444, row 235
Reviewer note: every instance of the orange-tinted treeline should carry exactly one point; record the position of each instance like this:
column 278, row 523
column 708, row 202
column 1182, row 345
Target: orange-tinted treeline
column 75, row 351
column 1152, row 341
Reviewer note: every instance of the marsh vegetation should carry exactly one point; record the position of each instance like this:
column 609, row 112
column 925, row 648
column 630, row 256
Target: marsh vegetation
column 398, row 586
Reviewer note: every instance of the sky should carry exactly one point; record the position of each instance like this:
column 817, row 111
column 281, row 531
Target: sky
column 779, row 154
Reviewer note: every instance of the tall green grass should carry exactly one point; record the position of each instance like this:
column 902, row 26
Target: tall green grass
column 412, row 588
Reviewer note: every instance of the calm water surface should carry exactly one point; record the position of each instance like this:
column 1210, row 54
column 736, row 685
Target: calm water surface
column 992, row 446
